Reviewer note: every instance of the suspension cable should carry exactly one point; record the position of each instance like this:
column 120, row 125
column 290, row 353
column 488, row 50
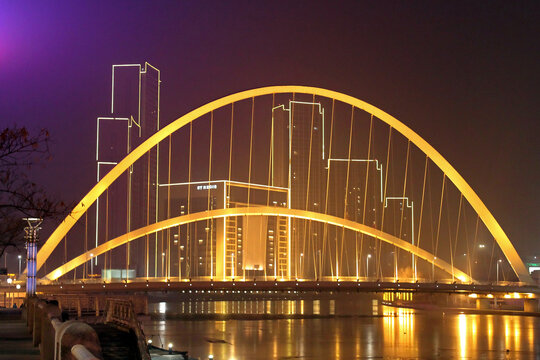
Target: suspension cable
column 325, row 233
column 188, row 226
column 458, row 223
column 147, row 252
column 107, row 227
column 269, row 183
column 346, row 189
column 169, row 210
column 396, row 254
column 365, row 191
column 307, row 189
column 209, row 223
column 85, row 270
column 475, row 238
column 379, row 245
column 440, row 213
column 421, row 214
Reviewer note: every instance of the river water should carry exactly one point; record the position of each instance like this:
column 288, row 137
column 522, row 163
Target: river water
column 343, row 328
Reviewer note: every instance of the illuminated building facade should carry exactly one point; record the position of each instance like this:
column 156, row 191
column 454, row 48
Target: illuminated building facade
column 230, row 247
column 134, row 116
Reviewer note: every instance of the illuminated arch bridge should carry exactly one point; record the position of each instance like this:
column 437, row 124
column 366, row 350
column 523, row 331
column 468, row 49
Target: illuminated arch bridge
column 287, row 182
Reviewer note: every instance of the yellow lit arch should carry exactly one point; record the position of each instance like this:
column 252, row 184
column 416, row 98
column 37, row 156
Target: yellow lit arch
column 257, row 211
column 451, row 173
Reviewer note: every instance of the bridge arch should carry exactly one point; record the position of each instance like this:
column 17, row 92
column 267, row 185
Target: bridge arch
column 468, row 193
column 257, row 211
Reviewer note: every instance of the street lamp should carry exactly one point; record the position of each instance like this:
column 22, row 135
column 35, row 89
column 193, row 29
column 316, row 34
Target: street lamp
column 433, row 268
column 91, row 265
column 301, row 257
column 19, row 257
column 232, row 266
column 163, row 264
column 499, row 261
column 367, row 265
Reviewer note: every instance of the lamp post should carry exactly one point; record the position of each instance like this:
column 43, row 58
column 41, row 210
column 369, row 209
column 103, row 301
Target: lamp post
column 499, row 261
column 91, row 265
column 163, row 264
column 433, row 269
column 232, row 265
column 367, row 265
column 320, row 264
column 301, row 269
column 31, row 237
column 19, row 257
column 180, row 262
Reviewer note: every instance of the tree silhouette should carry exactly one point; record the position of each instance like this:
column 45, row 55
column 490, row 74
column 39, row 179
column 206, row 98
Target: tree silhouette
column 19, row 196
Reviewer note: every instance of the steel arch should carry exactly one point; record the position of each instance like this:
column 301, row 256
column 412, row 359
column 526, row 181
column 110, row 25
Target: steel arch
column 474, row 200
column 257, row 211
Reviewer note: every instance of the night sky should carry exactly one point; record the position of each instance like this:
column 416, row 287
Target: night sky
column 464, row 75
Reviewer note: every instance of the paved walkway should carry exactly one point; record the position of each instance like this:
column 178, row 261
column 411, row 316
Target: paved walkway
column 15, row 340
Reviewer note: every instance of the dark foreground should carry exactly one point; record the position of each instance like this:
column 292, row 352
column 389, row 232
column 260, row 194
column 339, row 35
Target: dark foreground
column 15, row 340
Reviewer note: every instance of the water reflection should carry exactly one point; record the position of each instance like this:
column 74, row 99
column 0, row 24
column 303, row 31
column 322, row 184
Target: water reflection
column 262, row 307
column 360, row 328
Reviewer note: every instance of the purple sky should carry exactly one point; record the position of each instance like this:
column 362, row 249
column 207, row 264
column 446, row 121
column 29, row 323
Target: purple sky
column 464, row 75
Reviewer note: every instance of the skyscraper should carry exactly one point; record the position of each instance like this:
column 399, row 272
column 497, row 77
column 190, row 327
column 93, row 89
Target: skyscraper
column 298, row 163
column 131, row 202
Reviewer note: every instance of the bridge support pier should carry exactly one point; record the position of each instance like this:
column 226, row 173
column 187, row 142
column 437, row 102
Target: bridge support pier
column 530, row 305
column 483, row 303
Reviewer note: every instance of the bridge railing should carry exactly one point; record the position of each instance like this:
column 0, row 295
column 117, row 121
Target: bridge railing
column 121, row 312
column 98, row 281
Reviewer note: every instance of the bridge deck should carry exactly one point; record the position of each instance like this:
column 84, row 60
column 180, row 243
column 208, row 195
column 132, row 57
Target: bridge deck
column 265, row 286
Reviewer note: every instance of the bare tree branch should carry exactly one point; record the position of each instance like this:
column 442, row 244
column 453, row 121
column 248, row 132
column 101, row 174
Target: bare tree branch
column 20, row 197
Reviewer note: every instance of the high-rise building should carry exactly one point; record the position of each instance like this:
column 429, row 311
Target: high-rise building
column 131, row 202
column 298, row 163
